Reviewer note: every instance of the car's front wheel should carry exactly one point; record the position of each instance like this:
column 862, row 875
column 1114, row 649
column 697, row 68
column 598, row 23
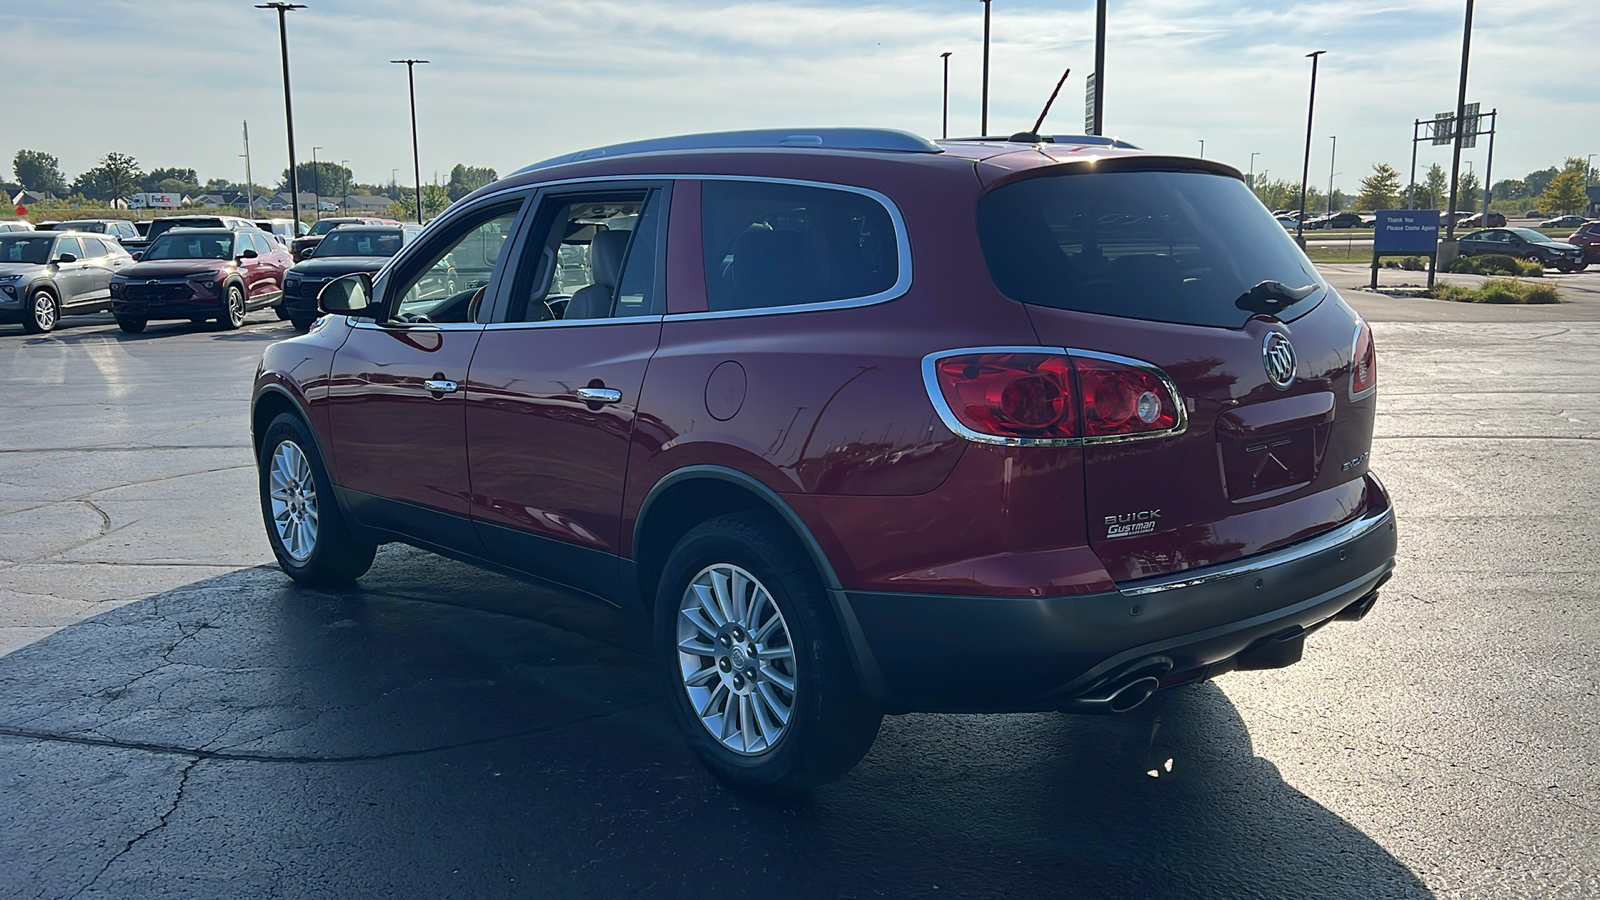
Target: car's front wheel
column 233, row 308
column 281, row 311
column 308, row 533
column 131, row 324
column 758, row 675
column 44, row 311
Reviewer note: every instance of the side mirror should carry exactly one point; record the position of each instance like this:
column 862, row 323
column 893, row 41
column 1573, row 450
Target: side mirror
column 66, row 258
column 350, row 296
column 308, row 252
column 248, row 254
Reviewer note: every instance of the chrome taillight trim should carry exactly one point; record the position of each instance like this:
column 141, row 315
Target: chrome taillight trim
column 1355, row 346
column 930, row 381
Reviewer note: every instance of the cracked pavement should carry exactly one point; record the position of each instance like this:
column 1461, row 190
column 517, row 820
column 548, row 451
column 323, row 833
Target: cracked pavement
column 178, row 720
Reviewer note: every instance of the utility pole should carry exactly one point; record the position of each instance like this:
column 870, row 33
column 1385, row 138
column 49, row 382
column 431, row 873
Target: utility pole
column 1305, row 172
column 1099, row 68
column 288, row 105
column 983, row 120
column 249, row 181
column 316, row 183
column 345, row 201
column 1461, row 125
column 1253, row 156
column 944, row 130
column 1332, row 154
column 416, row 157
column 1202, row 148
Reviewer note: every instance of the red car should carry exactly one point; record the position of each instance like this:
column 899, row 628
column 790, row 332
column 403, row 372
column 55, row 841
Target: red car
column 1588, row 237
column 863, row 423
column 199, row 274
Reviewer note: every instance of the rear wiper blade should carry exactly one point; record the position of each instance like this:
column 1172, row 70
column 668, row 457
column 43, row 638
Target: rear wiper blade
column 1272, row 297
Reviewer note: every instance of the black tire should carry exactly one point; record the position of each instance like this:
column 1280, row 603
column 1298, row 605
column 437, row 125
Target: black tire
column 234, row 308
column 302, row 324
column 132, row 325
column 830, row 726
column 1535, row 258
column 336, row 555
column 281, row 311
column 43, row 312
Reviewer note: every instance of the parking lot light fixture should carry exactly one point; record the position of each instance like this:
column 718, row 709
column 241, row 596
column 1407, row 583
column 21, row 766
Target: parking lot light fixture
column 316, row 184
column 1253, row 155
column 288, row 105
column 983, row 117
column 944, row 129
column 1305, row 172
column 416, row 157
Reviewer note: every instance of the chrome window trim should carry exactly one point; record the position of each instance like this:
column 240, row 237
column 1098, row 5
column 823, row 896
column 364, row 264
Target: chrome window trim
column 1350, row 531
column 563, row 323
column 930, row 381
column 1355, row 342
column 369, row 325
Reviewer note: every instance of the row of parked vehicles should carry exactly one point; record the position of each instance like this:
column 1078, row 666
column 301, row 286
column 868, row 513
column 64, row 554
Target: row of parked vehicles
column 200, row 268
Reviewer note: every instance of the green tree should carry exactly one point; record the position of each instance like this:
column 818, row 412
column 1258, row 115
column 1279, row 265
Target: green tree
column 1469, row 191
column 1435, row 190
column 434, row 200
column 1381, row 189
column 154, row 179
column 1538, row 181
column 38, row 171
column 326, row 179
column 1565, row 193
column 117, row 177
column 466, row 179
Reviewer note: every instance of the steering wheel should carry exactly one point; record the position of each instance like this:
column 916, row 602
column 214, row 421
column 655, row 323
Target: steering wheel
column 413, row 318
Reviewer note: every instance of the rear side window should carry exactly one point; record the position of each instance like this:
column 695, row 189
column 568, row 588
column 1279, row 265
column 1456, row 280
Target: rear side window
column 1179, row 247
column 770, row 245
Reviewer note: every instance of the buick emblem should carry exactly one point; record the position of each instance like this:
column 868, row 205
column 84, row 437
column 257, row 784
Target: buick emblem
column 1277, row 355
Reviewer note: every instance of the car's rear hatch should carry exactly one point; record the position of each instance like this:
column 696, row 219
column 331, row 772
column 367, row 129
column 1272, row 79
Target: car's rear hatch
column 1156, row 259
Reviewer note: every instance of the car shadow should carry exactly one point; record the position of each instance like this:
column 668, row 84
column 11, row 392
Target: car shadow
column 439, row 731
column 259, row 327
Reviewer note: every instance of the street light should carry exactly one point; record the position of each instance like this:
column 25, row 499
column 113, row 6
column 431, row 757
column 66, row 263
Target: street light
column 345, row 201
column 416, row 158
column 1253, row 169
column 316, row 183
column 983, row 120
column 1460, row 126
column 1202, row 148
column 944, row 130
column 1305, row 173
column 1332, row 154
column 288, row 106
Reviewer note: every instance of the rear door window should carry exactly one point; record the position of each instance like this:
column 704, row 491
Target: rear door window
column 774, row 244
column 1180, row 247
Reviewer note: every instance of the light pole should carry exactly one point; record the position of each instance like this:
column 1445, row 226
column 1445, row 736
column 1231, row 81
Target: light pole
column 1099, row 68
column 1253, row 156
column 983, row 120
column 345, row 200
column 288, row 106
column 249, row 180
column 944, row 130
column 1460, row 126
column 316, row 183
column 1332, row 154
column 416, row 157
column 1202, row 148
column 1305, row 172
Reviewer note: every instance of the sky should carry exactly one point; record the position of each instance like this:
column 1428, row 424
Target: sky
column 512, row 82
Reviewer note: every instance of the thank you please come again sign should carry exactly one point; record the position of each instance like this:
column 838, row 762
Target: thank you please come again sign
column 1406, row 231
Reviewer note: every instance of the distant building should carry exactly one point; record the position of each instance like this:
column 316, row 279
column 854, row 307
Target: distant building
column 364, row 203
column 24, row 198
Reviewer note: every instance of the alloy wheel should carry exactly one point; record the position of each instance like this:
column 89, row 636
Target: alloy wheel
column 736, row 659
column 293, row 495
column 44, row 311
column 236, row 310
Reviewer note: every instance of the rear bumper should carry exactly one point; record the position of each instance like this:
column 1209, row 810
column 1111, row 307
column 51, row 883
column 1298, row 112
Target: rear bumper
column 920, row 652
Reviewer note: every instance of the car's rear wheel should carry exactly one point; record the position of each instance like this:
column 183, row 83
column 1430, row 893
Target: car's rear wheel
column 44, row 311
column 132, row 325
column 233, row 308
column 759, row 679
column 309, row 535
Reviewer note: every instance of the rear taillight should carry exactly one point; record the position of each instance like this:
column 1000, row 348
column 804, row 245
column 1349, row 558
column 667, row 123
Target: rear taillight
column 1018, row 396
column 1363, row 362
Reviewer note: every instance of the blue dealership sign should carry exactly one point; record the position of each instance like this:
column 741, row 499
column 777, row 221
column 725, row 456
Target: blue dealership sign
column 1406, row 231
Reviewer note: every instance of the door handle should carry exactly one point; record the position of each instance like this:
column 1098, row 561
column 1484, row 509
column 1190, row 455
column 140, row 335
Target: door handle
column 599, row 395
column 441, row 386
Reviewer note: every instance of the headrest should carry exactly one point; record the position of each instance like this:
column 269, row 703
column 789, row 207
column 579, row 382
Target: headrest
column 605, row 256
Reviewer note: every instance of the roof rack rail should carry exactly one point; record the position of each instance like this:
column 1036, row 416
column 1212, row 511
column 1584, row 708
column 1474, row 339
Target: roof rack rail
column 1088, row 140
column 884, row 139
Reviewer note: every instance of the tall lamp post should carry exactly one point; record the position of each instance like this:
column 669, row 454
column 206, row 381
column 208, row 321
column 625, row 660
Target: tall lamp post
column 288, row 105
column 983, row 119
column 1098, row 125
column 1460, row 127
column 1305, row 172
column 944, row 129
column 416, row 157
column 345, row 200
column 1253, row 156
column 316, row 183
column 1202, row 148
column 1332, row 154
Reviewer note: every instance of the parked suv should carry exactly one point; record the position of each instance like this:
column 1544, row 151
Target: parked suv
column 158, row 227
column 117, row 229
column 200, row 274
column 865, row 424
column 347, row 249
column 45, row 275
column 305, row 242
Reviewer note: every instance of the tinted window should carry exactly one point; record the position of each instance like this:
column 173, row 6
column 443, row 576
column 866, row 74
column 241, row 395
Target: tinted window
column 1165, row 246
column 782, row 244
column 20, row 249
column 205, row 245
column 345, row 242
column 69, row 245
column 93, row 248
column 263, row 244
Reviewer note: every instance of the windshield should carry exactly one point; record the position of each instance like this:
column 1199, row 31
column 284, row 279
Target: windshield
column 20, row 249
column 1182, row 247
column 325, row 226
column 191, row 246
column 359, row 243
column 162, row 225
column 1528, row 234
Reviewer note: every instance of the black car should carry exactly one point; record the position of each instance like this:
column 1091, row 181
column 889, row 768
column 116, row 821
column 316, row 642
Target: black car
column 1524, row 243
column 346, row 250
column 45, row 275
column 1337, row 220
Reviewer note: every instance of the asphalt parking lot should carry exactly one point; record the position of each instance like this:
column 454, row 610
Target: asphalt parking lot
column 178, row 720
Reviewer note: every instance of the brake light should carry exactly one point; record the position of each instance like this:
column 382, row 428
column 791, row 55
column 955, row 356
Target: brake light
column 1021, row 397
column 1363, row 362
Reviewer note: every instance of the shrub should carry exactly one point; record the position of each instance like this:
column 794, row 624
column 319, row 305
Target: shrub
column 1498, row 290
column 1493, row 264
column 1408, row 263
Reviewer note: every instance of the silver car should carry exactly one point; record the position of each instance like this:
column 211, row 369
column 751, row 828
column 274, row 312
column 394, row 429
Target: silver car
column 45, row 275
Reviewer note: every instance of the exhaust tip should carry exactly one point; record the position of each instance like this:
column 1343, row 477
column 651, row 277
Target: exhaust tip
column 1133, row 693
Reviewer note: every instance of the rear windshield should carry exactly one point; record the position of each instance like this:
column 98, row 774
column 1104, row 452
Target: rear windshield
column 161, row 226
column 359, row 243
column 1178, row 247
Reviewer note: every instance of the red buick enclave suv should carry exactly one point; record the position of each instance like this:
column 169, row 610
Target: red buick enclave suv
column 866, row 424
